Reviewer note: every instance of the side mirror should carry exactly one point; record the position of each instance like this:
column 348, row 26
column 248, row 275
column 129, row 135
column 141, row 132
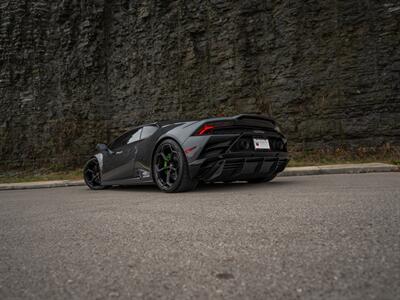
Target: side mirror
column 102, row 147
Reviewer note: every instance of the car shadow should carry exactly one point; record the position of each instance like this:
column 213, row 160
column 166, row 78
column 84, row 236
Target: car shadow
column 209, row 187
column 222, row 187
column 135, row 188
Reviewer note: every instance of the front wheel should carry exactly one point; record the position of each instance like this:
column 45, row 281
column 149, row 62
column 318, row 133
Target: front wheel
column 91, row 175
column 170, row 168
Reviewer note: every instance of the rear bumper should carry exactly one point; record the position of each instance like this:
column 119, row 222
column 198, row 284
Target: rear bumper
column 239, row 166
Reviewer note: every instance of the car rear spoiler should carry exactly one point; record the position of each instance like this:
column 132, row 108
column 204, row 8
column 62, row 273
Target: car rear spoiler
column 254, row 117
column 242, row 120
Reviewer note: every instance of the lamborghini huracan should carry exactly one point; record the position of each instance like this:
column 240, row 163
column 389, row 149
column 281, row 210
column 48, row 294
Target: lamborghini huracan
column 176, row 156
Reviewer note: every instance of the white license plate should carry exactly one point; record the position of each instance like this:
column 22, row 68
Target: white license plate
column 261, row 144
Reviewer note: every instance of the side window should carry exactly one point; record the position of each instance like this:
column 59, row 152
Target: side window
column 126, row 138
column 148, row 131
column 119, row 142
column 135, row 136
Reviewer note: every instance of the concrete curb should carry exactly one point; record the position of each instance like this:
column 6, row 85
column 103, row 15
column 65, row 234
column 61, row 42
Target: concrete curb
column 340, row 169
column 293, row 171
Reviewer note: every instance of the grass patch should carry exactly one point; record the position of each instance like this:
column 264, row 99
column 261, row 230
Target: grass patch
column 38, row 175
column 384, row 154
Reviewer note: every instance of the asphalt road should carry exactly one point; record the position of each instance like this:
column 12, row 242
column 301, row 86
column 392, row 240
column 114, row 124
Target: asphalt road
column 311, row 237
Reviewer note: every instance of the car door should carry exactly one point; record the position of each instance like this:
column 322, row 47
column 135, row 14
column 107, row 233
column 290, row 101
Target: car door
column 145, row 151
column 119, row 163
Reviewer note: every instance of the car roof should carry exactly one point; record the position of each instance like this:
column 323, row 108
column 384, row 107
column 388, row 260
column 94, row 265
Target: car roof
column 165, row 122
column 209, row 119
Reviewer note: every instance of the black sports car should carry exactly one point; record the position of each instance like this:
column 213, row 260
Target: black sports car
column 177, row 155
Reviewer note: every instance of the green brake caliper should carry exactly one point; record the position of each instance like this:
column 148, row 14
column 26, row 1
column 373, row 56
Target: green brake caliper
column 166, row 161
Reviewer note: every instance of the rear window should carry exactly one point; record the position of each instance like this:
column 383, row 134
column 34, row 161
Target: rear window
column 148, row 131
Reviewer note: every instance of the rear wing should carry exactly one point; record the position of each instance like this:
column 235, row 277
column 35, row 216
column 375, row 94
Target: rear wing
column 235, row 123
column 249, row 118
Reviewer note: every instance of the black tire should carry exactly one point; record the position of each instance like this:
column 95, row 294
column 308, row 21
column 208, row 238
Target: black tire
column 92, row 175
column 264, row 179
column 170, row 168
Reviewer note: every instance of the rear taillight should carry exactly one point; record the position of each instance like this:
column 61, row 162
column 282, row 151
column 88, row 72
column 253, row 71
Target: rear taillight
column 212, row 127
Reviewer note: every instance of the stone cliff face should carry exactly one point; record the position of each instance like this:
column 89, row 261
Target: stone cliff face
column 73, row 73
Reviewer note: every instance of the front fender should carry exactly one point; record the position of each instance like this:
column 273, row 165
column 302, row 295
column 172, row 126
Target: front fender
column 99, row 157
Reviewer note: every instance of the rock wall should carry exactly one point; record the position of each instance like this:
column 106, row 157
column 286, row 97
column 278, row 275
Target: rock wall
column 73, row 73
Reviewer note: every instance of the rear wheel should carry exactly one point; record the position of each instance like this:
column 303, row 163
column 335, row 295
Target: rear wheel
column 170, row 168
column 91, row 175
column 264, row 179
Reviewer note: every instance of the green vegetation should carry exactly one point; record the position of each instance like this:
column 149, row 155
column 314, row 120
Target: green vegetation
column 38, row 175
column 384, row 154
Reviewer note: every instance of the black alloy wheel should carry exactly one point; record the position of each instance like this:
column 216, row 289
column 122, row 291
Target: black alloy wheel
column 91, row 175
column 170, row 168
